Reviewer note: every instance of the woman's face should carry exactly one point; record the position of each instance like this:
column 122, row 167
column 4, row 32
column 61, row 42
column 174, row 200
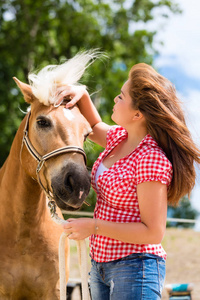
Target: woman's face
column 123, row 111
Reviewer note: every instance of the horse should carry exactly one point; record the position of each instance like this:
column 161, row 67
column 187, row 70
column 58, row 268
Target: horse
column 46, row 159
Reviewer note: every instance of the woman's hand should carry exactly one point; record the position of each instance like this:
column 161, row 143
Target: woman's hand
column 79, row 229
column 73, row 93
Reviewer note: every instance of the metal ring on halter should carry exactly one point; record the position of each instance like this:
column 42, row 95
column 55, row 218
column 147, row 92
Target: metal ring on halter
column 56, row 105
column 63, row 99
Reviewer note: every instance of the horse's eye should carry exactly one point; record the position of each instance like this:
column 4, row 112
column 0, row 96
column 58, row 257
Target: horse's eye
column 86, row 135
column 43, row 123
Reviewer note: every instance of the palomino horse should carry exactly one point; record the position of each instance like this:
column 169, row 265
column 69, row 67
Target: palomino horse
column 46, row 155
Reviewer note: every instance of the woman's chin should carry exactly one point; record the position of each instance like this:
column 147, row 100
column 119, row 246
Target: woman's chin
column 113, row 117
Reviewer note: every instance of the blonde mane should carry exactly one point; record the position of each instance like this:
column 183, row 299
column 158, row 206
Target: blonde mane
column 53, row 78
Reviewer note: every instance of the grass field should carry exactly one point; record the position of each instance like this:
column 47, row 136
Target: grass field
column 183, row 260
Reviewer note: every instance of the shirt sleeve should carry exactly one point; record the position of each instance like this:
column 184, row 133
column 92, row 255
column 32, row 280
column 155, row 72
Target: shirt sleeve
column 154, row 166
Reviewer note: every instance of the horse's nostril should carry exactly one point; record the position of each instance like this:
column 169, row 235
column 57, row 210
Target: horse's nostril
column 69, row 183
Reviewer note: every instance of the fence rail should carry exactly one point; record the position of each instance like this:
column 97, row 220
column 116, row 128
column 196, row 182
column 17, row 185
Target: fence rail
column 90, row 214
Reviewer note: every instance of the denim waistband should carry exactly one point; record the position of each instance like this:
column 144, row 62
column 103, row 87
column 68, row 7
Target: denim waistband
column 137, row 256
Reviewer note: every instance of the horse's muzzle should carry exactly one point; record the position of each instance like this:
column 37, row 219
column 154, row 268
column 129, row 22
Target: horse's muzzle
column 71, row 186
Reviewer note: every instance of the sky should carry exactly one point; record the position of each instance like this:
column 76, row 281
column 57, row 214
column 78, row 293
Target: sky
column 179, row 61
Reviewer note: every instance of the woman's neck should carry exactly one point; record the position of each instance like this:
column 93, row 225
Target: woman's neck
column 136, row 135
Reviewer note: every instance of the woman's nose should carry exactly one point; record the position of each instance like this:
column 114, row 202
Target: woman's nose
column 115, row 99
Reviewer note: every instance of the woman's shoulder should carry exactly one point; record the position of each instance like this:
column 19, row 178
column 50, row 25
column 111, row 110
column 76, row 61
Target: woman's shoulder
column 153, row 164
column 150, row 153
column 149, row 146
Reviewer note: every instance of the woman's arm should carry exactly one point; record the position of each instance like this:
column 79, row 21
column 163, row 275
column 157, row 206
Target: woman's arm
column 99, row 134
column 81, row 97
column 152, row 198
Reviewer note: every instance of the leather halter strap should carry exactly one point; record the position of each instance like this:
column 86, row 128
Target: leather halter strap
column 41, row 159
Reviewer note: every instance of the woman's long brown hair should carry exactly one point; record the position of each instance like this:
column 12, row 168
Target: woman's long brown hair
column 156, row 98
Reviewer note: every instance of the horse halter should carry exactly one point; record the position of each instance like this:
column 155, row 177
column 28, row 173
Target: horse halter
column 41, row 159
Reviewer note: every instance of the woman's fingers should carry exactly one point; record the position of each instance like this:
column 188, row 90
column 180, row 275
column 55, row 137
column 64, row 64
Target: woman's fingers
column 71, row 93
column 72, row 102
column 61, row 96
column 78, row 229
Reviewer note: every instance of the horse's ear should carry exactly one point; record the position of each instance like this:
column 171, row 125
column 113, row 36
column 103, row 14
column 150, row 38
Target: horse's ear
column 26, row 90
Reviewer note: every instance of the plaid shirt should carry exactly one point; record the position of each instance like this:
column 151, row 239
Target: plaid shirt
column 117, row 196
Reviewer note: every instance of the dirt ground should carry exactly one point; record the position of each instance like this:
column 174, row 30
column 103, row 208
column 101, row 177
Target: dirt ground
column 183, row 260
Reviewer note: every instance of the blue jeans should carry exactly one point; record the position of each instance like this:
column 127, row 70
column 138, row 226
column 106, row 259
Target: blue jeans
column 134, row 277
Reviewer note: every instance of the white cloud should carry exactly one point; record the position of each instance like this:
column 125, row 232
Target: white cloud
column 182, row 38
column 192, row 113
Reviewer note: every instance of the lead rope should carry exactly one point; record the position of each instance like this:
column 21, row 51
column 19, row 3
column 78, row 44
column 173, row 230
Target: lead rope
column 82, row 255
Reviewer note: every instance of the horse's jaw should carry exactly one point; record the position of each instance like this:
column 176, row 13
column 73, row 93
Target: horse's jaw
column 64, row 206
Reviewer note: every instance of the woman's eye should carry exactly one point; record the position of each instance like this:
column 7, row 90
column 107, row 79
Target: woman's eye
column 43, row 123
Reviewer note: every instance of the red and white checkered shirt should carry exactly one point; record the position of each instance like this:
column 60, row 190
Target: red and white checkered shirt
column 117, row 197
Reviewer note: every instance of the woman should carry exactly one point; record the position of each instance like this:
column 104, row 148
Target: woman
column 147, row 163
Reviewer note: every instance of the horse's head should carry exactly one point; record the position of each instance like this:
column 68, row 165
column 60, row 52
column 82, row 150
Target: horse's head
column 65, row 176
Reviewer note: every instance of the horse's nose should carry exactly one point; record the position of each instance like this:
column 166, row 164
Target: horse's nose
column 69, row 183
column 71, row 186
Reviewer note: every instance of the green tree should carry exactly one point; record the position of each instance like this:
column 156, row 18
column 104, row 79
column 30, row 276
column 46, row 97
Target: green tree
column 40, row 32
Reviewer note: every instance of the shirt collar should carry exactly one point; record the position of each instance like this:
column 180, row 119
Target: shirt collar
column 122, row 134
column 148, row 139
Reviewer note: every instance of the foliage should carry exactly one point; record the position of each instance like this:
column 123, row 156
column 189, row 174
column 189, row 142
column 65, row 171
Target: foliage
column 40, row 32
column 183, row 211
